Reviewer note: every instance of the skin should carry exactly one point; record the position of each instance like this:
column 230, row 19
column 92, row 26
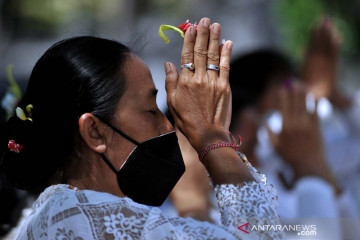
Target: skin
column 199, row 100
column 300, row 142
column 321, row 64
column 137, row 115
column 211, row 119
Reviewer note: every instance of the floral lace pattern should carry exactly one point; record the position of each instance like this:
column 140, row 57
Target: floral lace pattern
column 257, row 206
column 62, row 234
column 62, row 212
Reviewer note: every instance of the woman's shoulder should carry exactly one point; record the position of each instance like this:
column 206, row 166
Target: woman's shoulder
column 66, row 195
column 63, row 203
column 62, row 209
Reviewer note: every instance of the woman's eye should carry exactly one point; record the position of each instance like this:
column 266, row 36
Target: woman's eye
column 152, row 111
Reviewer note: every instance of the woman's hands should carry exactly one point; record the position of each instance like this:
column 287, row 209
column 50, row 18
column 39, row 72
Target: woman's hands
column 200, row 100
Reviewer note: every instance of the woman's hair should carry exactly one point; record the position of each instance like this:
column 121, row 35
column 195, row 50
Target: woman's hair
column 73, row 77
column 253, row 73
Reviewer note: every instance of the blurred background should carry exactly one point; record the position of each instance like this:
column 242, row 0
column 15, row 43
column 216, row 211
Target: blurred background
column 29, row 27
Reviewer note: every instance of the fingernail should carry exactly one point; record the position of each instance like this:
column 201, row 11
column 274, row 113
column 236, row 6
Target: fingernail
column 192, row 30
column 229, row 44
column 223, row 41
column 216, row 28
column 206, row 22
column 167, row 67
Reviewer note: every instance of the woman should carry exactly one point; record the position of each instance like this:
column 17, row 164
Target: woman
column 76, row 131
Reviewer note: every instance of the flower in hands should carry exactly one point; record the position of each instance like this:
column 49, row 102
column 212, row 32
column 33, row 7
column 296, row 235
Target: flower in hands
column 185, row 26
column 182, row 28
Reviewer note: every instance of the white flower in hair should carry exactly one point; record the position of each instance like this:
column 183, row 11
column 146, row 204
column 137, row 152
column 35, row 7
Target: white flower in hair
column 20, row 114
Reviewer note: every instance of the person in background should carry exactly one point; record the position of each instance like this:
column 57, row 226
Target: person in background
column 283, row 137
column 341, row 125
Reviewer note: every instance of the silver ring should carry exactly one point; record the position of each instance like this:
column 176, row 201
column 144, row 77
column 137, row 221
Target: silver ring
column 212, row 67
column 190, row 66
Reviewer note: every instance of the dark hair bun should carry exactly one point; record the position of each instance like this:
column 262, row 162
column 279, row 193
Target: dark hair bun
column 26, row 172
column 47, row 139
column 18, row 162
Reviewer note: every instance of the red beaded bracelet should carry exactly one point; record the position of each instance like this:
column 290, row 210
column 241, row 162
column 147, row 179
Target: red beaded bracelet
column 233, row 145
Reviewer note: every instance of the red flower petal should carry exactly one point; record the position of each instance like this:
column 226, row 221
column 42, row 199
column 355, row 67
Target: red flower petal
column 185, row 26
column 15, row 147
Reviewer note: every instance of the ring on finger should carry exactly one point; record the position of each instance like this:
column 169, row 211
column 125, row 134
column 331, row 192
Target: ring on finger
column 212, row 67
column 190, row 66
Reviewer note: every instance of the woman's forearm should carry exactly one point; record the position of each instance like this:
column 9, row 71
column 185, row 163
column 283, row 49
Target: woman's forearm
column 224, row 164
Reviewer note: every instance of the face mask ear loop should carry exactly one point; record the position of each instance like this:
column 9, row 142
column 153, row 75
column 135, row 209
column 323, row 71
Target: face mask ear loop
column 122, row 134
column 119, row 132
column 108, row 163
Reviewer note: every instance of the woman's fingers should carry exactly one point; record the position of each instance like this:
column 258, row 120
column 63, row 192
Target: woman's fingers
column 201, row 45
column 201, row 100
column 170, row 80
column 187, row 55
column 224, row 66
column 214, row 49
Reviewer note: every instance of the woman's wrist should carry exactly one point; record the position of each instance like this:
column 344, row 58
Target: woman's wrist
column 201, row 141
column 226, row 167
column 223, row 163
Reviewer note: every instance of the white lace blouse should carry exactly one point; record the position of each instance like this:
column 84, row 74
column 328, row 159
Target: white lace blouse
column 63, row 212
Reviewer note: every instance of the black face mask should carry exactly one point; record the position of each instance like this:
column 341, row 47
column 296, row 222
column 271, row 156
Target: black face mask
column 151, row 170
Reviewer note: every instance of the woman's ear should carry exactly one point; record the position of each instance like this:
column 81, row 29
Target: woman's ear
column 93, row 132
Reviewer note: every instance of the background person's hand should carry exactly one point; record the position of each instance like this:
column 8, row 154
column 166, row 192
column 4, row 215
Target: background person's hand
column 200, row 100
column 321, row 60
column 300, row 142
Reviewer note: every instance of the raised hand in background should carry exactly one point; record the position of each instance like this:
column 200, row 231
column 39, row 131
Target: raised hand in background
column 300, row 142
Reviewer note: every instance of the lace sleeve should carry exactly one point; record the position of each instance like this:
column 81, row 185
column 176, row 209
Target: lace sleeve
column 245, row 203
column 249, row 204
column 241, row 207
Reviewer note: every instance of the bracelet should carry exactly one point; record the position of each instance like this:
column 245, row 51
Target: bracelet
column 233, row 145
